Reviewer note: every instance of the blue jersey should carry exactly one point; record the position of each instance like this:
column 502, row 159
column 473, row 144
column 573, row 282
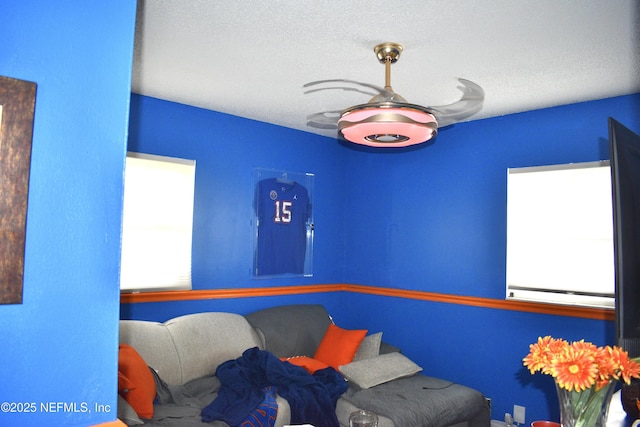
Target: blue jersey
column 283, row 210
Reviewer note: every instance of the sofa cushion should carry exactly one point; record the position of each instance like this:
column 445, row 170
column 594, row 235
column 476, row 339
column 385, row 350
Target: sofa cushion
column 339, row 346
column 127, row 414
column 419, row 400
column 136, row 384
column 204, row 341
column 379, row 370
column 153, row 342
column 291, row 330
column 190, row 346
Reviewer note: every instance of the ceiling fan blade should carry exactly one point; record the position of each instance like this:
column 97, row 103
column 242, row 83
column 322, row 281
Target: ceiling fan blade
column 469, row 104
column 324, row 120
column 379, row 90
column 348, row 89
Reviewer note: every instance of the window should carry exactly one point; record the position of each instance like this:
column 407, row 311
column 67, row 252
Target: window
column 560, row 234
column 157, row 223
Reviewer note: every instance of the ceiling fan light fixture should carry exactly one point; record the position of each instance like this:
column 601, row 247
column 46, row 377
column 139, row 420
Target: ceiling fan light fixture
column 387, row 126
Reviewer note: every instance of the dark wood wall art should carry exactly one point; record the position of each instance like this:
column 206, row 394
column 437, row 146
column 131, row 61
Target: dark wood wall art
column 17, row 105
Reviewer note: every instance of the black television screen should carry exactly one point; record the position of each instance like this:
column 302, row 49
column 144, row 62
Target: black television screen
column 625, row 182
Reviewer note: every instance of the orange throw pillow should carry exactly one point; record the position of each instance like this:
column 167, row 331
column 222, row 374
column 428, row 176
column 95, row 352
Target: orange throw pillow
column 306, row 362
column 339, row 345
column 124, row 383
column 135, row 382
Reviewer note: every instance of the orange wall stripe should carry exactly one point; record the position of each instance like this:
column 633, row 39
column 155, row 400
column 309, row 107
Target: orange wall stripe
column 227, row 293
column 530, row 307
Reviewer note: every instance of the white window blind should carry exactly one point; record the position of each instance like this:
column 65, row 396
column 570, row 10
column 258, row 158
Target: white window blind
column 157, row 223
column 560, row 234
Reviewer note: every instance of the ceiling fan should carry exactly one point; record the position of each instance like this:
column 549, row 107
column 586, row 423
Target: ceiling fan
column 388, row 120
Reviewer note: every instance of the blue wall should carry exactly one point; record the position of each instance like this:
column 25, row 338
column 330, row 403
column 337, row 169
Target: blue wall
column 440, row 222
column 60, row 345
column 227, row 149
column 432, row 219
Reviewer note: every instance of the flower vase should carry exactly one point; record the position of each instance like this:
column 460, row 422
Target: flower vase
column 587, row 408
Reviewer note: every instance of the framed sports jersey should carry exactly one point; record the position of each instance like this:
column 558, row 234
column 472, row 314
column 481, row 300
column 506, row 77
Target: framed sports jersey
column 283, row 223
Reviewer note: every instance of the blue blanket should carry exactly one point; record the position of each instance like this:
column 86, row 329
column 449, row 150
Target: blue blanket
column 312, row 398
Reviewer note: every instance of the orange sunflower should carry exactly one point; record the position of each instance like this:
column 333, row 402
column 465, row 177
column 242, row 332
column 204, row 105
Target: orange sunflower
column 621, row 366
column 541, row 354
column 575, row 368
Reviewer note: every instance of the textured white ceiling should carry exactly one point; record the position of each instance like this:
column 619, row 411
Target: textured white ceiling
column 250, row 58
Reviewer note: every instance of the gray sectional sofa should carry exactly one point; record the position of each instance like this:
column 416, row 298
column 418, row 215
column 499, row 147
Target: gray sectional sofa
column 184, row 354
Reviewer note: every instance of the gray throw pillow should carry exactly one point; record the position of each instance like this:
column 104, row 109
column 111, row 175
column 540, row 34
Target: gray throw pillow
column 379, row 370
column 369, row 347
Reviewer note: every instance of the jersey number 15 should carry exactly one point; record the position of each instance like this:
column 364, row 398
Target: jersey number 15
column 282, row 211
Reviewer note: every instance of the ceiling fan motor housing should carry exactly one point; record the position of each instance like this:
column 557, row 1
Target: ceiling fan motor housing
column 387, row 125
